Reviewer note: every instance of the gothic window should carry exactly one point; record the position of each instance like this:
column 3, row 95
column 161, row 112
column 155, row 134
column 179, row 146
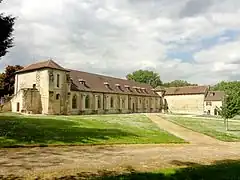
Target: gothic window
column 58, row 80
column 87, row 102
column 112, row 102
column 57, row 96
column 123, row 103
column 99, row 101
column 74, row 102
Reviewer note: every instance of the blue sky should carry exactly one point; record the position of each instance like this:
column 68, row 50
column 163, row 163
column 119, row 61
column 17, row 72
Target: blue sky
column 229, row 35
column 193, row 40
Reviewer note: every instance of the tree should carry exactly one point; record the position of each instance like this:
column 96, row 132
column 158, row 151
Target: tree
column 9, row 78
column 231, row 103
column 231, row 107
column 6, row 28
column 227, row 87
column 145, row 76
column 178, row 83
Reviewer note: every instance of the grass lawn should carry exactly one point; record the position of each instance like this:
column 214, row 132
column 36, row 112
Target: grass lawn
column 221, row 170
column 210, row 127
column 18, row 130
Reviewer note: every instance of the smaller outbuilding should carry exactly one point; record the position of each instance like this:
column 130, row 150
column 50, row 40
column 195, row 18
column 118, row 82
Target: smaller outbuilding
column 213, row 102
column 197, row 100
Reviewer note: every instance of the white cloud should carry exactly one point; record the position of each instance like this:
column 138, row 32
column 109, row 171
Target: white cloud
column 117, row 37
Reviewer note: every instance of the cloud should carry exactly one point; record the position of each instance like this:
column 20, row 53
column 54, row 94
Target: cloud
column 117, row 37
column 195, row 7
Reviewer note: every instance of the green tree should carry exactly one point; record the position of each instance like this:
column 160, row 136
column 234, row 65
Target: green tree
column 6, row 28
column 146, row 76
column 9, row 78
column 227, row 87
column 178, row 83
column 231, row 106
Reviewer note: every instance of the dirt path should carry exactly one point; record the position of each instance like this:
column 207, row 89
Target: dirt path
column 184, row 133
column 46, row 162
column 60, row 161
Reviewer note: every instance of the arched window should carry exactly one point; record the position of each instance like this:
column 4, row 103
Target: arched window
column 123, row 103
column 87, row 102
column 74, row 102
column 112, row 102
column 57, row 96
column 99, row 101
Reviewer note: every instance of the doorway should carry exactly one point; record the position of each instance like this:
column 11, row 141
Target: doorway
column 18, row 107
column 133, row 107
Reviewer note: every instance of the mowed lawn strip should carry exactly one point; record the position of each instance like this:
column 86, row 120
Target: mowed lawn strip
column 78, row 130
column 211, row 127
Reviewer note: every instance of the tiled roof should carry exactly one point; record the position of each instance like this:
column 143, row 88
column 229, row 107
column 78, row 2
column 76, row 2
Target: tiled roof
column 40, row 65
column 215, row 96
column 84, row 81
column 186, row 90
column 160, row 88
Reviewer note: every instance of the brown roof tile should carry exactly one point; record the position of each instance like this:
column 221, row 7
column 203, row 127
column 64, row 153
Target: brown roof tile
column 215, row 96
column 186, row 90
column 40, row 65
column 100, row 83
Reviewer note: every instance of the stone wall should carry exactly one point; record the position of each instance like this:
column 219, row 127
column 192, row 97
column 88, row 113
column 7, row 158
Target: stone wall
column 59, row 92
column 31, row 102
column 210, row 109
column 103, row 103
column 6, row 107
column 189, row 104
column 27, row 101
column 36, row 79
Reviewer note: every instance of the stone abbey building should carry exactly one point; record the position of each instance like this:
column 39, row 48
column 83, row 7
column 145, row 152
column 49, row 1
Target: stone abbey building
column 47, row 88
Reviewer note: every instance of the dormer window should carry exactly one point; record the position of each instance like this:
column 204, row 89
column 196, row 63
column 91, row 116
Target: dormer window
column 142, row 90
column 119, row 87
column 107, row 85
column 128, row 88
column 212, row 94
column 82, row 81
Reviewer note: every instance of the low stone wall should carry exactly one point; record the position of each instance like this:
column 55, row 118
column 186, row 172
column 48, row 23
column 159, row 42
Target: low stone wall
column 6, row 107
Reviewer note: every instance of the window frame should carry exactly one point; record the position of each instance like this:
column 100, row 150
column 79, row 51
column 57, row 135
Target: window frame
column 99, row 102
column 87, row 102
column 112, row 102
column 74, row 102
column 58, row 96
column 58, row 80
column 208, row 103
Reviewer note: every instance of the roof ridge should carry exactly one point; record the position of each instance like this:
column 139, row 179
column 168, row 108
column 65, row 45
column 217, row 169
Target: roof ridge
column 187, row 86
column 48, row 62
column 107, row 76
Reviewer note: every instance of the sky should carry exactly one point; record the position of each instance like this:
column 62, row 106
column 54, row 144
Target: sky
column 192, row 40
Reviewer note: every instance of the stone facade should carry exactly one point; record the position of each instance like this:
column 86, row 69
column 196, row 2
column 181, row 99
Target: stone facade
column 186, row 104
column 47, row 88
column 197, row 100
column 212, row 107
column 213, row 102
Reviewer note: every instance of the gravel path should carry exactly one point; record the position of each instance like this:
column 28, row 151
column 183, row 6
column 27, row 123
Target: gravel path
column 184, row 133
column 59, row 161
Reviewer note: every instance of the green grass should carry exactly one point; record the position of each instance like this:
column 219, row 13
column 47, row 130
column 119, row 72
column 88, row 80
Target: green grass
column 18, row 130
column 210, row 127
column 222, row 170
column 219, row 170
